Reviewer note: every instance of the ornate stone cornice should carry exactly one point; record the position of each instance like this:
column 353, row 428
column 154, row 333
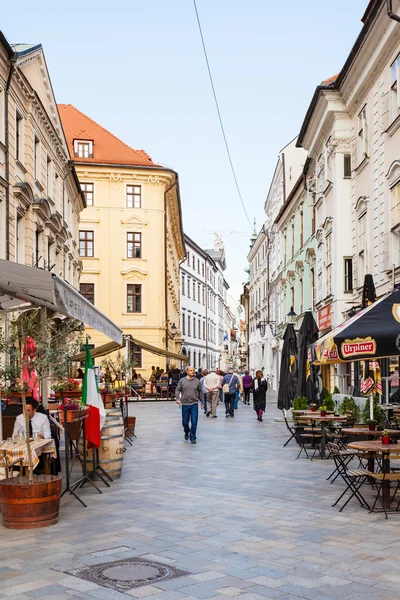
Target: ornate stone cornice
column 342, row 145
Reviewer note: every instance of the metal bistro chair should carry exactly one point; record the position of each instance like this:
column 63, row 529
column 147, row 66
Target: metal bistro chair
column 307, row 433
column 290, row 429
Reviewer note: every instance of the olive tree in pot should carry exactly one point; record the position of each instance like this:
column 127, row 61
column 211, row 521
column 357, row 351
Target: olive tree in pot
column 30, row 501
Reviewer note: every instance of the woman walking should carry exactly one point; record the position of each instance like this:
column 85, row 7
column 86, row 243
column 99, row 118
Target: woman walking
column 247, row 381
column 259, row 389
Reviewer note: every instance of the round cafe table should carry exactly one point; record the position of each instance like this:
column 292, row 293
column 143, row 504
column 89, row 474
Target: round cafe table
column 386, row 450
column 361, row 431
column 316, row 418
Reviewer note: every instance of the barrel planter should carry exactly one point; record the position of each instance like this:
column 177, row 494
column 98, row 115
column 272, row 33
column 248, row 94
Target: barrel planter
column 111, row 451
column 27, row 505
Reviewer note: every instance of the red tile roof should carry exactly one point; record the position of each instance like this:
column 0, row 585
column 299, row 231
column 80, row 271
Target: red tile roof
column 330, row 80
column 107, row 148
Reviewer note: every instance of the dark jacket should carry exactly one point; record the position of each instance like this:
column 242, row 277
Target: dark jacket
column 12, row 410
column 259, row 394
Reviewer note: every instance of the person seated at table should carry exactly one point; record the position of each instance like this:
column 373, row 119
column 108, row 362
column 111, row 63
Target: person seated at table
column 39, row 424
column 13, row 408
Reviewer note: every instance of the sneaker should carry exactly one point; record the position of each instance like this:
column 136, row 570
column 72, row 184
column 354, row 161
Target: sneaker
column 213, row 416
column 208, row 414
column 186, row 436
column 193, row 442
column 226, row 416
column 231, row 416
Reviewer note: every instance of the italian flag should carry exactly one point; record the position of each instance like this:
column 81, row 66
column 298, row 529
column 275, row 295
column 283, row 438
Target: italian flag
column 92, row 399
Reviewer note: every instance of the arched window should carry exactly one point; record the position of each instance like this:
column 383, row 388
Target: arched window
column 362, row 239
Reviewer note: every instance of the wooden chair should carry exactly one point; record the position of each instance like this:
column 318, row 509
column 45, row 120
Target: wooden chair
column 8, row 426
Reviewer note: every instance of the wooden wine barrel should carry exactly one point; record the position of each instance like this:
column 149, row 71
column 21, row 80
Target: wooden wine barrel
column 27, row 505
column 111, row 451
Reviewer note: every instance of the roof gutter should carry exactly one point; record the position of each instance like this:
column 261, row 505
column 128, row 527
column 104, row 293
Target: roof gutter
column 390, row 12
column 13, row 61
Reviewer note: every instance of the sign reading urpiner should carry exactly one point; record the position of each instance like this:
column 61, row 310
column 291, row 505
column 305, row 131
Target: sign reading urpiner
column 324, row 318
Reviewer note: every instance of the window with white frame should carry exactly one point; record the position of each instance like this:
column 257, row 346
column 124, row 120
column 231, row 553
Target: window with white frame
column 395, row 88
column 83, row 148
column 183, row 284
column 362, row 137
column 328, row 262
column 321, row 182
column 348, row 274
column 362, row 241
column 395, row 206
column 183, row 324
column 88, row 192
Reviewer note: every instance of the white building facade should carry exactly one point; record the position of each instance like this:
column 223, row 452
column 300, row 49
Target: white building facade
column 203, row 304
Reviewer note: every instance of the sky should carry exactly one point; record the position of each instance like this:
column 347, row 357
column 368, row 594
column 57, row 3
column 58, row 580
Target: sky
column 138, row 69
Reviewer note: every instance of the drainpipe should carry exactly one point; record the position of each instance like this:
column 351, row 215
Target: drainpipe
column 13, row 61
column 283, row 177
column 390, row 12
column 165, row 264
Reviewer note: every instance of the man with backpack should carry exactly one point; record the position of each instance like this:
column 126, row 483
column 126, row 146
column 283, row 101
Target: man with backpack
column 230, row 384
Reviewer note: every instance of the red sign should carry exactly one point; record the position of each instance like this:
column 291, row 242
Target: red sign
column 358, row 346
column 324, row 318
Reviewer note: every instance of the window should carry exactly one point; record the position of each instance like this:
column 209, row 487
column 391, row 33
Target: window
column 362, row 139
column 204, row 330
column 198, row 293
column 58, row 192
column 86, row 243
column 136, row 354
column 198, row 266
column 183, row 324
column 194, row 290
column 133, row 196
column 183, row 284
column 395, row 205
column 134, row 245
column 199, row 329
column 348, row 274
column 362, row 241
column 188, row 258
column 36, row 159
column 313, row 219
column 189, row 324
column 188, row 287
column 202, row 269
column 193, row 262
column 328, row 263
column 194, row 327
column 87, row 291
column 2, row 116
column 49, row 177
column 312, row 275
column 83, row 148
column 301, row 228
column 347, row 166
column 37, row 247
column 204, row 295
column 134, row 298
column 395, row 88
column 19, row 137
column 292, row 240
column 88, row 192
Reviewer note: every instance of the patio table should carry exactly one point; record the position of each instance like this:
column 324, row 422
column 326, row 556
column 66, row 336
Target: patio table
column 18, row 453
column 375, row 433
column 386, row 450
column 322, row 421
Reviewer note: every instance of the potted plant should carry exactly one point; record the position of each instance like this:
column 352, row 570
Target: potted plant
column 327, row 400
column 300, row 403
column 349, row 407
column 322, row 411
column 33, row 346
column 71, row 388
column 371, row 424
column 378, row 412
column 385, row 438
column 314, row 407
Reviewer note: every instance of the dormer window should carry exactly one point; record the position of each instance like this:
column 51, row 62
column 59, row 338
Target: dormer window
column 83, row 148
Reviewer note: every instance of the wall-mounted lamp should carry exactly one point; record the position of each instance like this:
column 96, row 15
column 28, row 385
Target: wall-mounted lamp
column 291, row 315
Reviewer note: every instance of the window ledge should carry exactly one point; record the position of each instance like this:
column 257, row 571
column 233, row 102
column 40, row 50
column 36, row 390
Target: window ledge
column 21, row 166
column 396, row 228
column 88, row 257
column 39, row 185
column 129, row 314
column 362, row 164
column 393, row 127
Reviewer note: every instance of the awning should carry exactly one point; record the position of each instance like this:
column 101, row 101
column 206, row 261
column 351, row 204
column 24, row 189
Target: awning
column 112, row 347
column 23, row 287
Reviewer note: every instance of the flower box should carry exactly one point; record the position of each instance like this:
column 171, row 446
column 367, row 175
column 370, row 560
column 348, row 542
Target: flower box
column 72, row 415
column 385, row 439
column 69, row 394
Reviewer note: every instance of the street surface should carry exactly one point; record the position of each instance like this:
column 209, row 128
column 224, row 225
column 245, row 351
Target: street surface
column 236, row 511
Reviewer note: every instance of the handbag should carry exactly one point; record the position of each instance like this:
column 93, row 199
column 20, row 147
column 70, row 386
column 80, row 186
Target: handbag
column 225, row 387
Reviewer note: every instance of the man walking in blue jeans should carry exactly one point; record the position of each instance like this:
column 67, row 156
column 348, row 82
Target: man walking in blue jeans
column 189, row 393
column 230, row 384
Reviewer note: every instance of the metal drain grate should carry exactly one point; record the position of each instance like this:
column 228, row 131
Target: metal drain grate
column 128, row 573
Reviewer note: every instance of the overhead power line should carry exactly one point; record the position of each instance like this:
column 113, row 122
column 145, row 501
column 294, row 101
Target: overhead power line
column 219, row 115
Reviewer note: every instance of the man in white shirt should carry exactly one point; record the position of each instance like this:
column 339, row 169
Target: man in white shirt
column 211, row 383
column 39, row 424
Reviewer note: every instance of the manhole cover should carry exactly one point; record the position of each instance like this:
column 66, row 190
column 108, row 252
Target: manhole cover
column 128, row 573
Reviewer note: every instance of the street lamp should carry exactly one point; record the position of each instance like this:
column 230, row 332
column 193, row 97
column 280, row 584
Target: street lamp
column 173, row 330
column 291, row 315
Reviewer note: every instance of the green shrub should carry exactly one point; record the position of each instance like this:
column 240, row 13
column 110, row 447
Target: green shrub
column 300, row 403
column 336, row 390
column 378, row 412
column 349, row 405
column 327, row 400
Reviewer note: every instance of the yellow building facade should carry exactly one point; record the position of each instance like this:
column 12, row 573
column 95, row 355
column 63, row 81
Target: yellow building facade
column 130, row 238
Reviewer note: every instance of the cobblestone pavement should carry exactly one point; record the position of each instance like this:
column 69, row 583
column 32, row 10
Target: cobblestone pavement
column 236, row 511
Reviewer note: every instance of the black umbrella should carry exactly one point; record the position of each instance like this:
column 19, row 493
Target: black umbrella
column 288, row 373
column 369, row 293
column 307, row 379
